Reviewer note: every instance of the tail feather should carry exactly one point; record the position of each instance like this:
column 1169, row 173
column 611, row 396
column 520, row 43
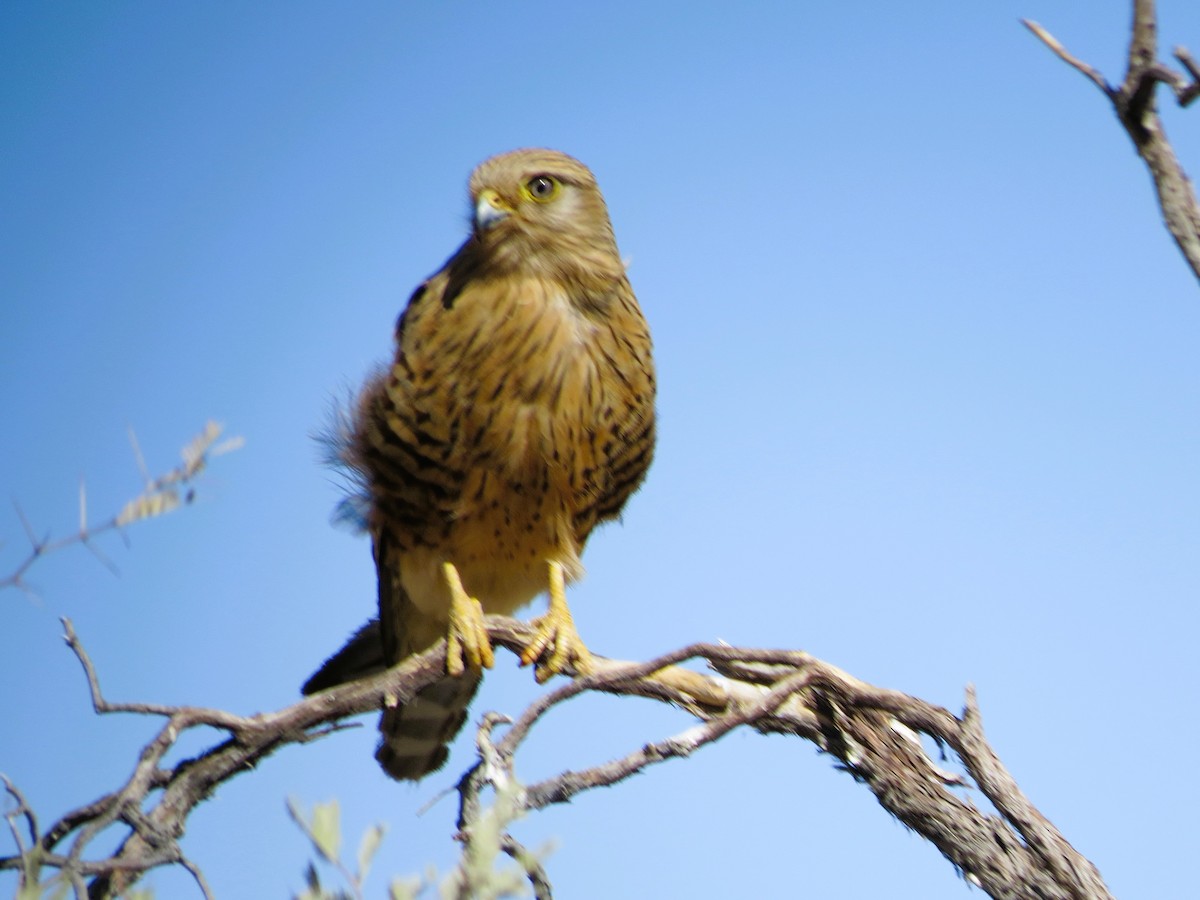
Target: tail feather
column 362, row 656
column 414, row 737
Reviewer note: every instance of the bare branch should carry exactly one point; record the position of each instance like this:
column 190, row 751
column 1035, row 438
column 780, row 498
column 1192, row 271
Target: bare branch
column 1001, row 789
column 872, row 732
column 1188, row 92
column 168, row 793
column 1133, row 103
column 201, row 881
column 1089, row 72
column 542, row 889
column 1143, row 42
column 22, row 811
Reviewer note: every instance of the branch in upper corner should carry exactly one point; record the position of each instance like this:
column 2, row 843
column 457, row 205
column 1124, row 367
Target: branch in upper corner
column 1133, row 103
column 159, row 495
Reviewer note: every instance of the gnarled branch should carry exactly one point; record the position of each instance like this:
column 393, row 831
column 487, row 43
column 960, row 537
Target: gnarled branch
column 874, row 733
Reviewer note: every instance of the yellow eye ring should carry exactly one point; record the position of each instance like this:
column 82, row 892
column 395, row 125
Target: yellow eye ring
column 542, row 188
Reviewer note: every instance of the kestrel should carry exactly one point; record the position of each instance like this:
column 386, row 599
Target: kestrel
column 517, row 415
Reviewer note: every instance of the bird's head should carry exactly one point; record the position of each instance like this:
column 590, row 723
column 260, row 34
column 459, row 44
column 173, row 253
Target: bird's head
column 541, row 211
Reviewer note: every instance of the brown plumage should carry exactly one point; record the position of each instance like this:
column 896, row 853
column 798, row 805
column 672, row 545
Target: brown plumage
column 517, row 415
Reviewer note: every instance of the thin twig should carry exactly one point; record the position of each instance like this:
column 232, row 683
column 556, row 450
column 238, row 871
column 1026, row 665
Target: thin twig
column 1188, row 92
column 1089, row 72
column 99, row 704
column 23, row 811
column 538, row 880
column 201, row 881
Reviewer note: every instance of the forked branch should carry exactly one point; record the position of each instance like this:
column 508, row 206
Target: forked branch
column 1133, row 102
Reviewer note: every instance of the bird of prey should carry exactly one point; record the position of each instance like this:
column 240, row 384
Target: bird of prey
column 517, row 414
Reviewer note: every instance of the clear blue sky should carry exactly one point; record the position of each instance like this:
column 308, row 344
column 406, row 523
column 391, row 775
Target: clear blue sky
column 930, row 376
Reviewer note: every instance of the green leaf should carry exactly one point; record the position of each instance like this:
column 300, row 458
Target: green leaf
column 327, row 830
column 404, row 888
column 367, row 849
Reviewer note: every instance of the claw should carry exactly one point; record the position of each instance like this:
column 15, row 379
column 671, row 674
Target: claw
column 557, row 636
column 467, row 642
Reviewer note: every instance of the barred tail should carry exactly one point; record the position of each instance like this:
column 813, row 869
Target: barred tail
column 415, row 736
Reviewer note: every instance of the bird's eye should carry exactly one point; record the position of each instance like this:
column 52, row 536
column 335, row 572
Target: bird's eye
column 541, row 188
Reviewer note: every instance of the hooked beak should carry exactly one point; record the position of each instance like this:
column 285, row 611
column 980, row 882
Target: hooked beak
column 489, row 209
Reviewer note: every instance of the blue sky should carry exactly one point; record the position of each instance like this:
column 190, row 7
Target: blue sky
column 929, row 391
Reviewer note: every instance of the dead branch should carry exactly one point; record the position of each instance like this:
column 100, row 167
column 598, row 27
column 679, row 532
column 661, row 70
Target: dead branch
column 1133, row 102
column 872, row 732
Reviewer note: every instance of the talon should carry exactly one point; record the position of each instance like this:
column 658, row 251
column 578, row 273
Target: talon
column 467, row 642
column 557, row 636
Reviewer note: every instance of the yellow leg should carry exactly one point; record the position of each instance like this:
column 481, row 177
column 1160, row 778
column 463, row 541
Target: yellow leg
column 467, row 642
column 556, row 635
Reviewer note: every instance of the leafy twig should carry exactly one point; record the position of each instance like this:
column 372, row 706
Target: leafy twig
column 158, row 496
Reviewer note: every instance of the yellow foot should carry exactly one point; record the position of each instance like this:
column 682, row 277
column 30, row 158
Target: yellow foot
column 556, row 636
column 467, row 643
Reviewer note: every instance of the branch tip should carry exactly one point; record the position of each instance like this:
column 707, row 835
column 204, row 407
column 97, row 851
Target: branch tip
column 1056, row 47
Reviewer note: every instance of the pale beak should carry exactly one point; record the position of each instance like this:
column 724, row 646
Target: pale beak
column 489, row 209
